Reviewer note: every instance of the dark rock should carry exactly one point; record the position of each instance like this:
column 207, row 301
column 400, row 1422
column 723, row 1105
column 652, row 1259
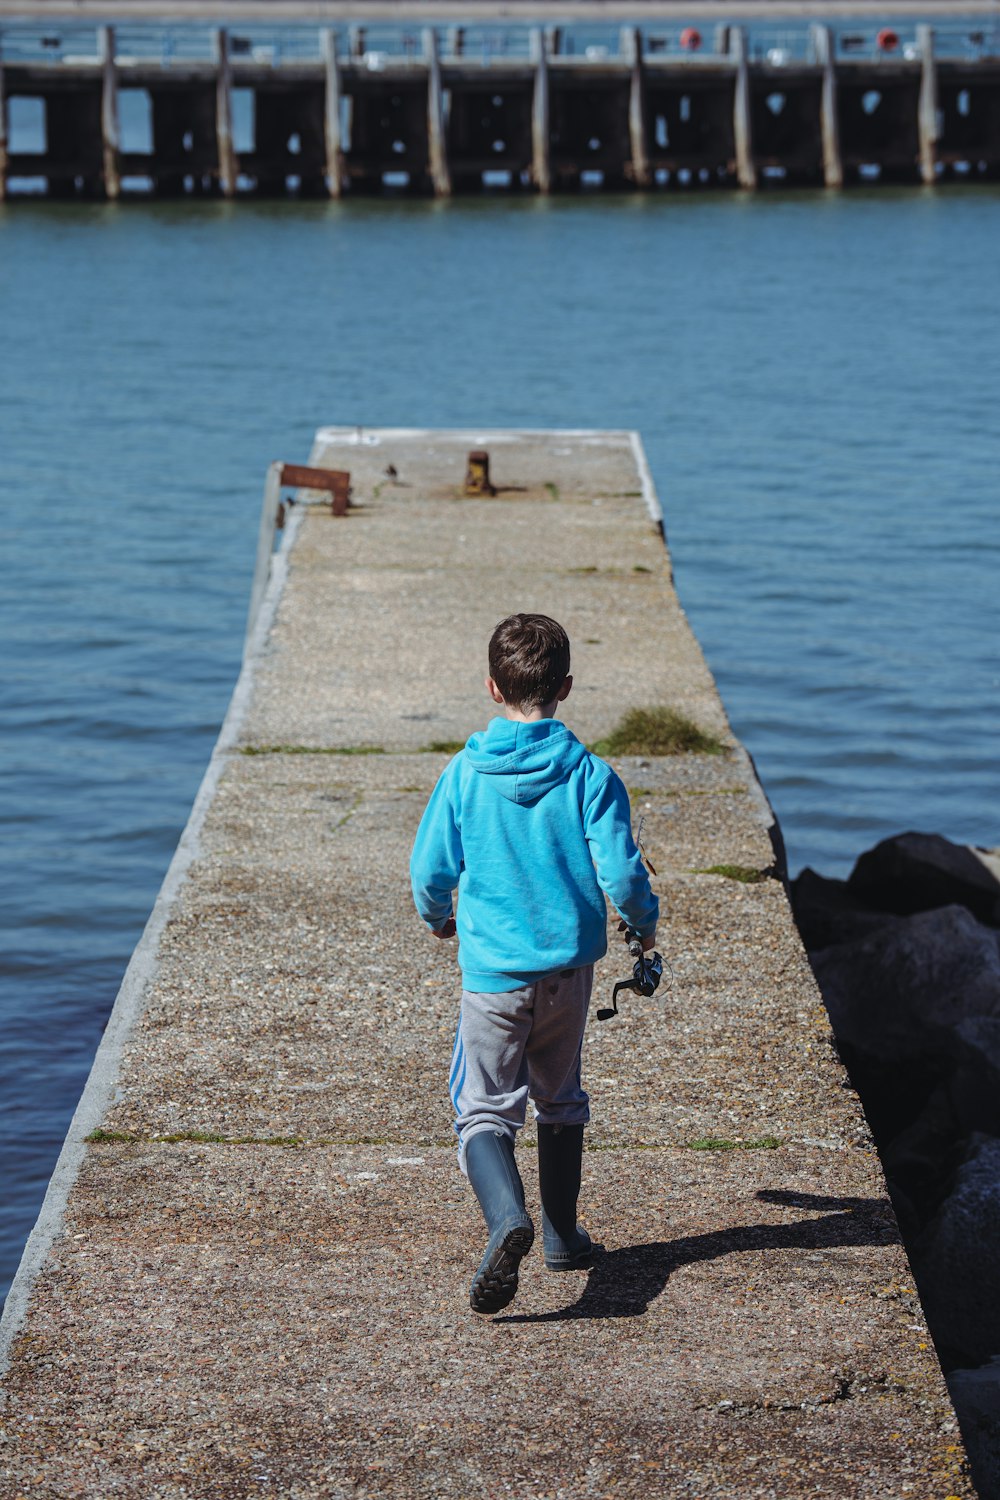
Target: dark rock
column 907, row 956
column 955, row 1260
column 915, row 872
column 921, row 1161
column 889, row 994
column 922, row 1158
column 973, row 1087
column 975, row 1395
column 828, row 912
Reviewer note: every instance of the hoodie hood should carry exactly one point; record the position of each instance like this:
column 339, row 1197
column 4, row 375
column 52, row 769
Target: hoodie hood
column 524, row 760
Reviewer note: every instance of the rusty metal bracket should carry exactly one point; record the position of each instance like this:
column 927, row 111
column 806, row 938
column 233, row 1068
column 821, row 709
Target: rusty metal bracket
column 336, row 481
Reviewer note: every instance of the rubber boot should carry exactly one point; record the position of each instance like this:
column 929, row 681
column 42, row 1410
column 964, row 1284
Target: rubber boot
column 560, row 1157
column 489, row 1162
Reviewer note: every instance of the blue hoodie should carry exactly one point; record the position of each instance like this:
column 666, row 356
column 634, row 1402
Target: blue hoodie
column 532, row 829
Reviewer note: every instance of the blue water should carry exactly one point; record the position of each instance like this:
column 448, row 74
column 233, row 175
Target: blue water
column 815, row 379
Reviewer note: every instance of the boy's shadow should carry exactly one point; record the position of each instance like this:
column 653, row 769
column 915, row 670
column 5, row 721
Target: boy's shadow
column 622, row 1283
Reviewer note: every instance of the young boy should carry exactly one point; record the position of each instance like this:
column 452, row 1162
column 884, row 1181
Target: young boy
column 532, row 829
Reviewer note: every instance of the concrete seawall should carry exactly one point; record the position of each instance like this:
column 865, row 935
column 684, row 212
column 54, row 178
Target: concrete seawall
column 252, row 1279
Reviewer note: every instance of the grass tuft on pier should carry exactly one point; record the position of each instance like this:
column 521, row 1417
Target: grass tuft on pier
column 746, row 874
column 718, row 1143
column 312, row 750
column 658, row 731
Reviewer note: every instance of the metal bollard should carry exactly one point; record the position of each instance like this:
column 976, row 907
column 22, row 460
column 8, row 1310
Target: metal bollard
column 477, row 474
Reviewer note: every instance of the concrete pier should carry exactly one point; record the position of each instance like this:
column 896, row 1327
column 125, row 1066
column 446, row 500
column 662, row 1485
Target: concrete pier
column 647, row 113
column 250, row 1273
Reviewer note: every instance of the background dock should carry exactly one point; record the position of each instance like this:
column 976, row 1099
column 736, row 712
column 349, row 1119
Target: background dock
column 95, row 112
column 253, row 1278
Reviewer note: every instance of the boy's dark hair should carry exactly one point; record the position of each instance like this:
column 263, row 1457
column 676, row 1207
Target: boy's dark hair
column 529, row 659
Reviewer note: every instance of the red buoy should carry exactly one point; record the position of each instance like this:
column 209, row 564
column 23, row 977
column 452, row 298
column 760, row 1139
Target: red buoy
column 690, row 39
column 887, row 40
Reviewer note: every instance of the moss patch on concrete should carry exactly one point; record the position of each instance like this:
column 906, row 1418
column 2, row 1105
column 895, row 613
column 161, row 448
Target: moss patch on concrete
column 200, row 1137
column 211, row 1138
column 717, row 1143
column 658, row 731
column 746, row 874
column 312, row 750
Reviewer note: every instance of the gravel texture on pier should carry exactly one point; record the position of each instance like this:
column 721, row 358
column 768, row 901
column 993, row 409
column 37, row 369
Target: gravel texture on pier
column 260, row 1284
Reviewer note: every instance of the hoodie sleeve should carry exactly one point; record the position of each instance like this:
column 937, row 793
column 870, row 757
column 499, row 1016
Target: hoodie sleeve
column 607, row 823
column 436, row 861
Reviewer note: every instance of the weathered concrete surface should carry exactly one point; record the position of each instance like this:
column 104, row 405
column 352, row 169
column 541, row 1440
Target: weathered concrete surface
column 220, row 1319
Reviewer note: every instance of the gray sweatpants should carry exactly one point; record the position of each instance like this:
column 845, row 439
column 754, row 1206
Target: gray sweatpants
column 520, row 1043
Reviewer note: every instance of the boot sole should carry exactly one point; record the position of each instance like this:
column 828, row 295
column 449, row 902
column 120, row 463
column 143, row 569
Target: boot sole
column 495, row 1284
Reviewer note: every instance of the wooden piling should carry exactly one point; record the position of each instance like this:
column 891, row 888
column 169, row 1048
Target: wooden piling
column 927, row 110
column 436, row 149
column 833, row 168
column 631, row 50
column 110, row 136
column 334, row 137
column 746, row 172
column 227, row 165
column 265, row 543
column 541, row 174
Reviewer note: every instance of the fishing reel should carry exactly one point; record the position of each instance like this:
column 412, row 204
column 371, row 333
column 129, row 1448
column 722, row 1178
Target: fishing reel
column 645, row 976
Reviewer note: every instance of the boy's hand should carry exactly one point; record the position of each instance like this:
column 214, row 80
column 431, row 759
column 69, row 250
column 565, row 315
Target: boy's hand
column 648, row 943
column 447, row 931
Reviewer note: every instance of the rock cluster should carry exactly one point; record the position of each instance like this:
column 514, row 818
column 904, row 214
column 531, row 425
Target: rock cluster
column 907, row 955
